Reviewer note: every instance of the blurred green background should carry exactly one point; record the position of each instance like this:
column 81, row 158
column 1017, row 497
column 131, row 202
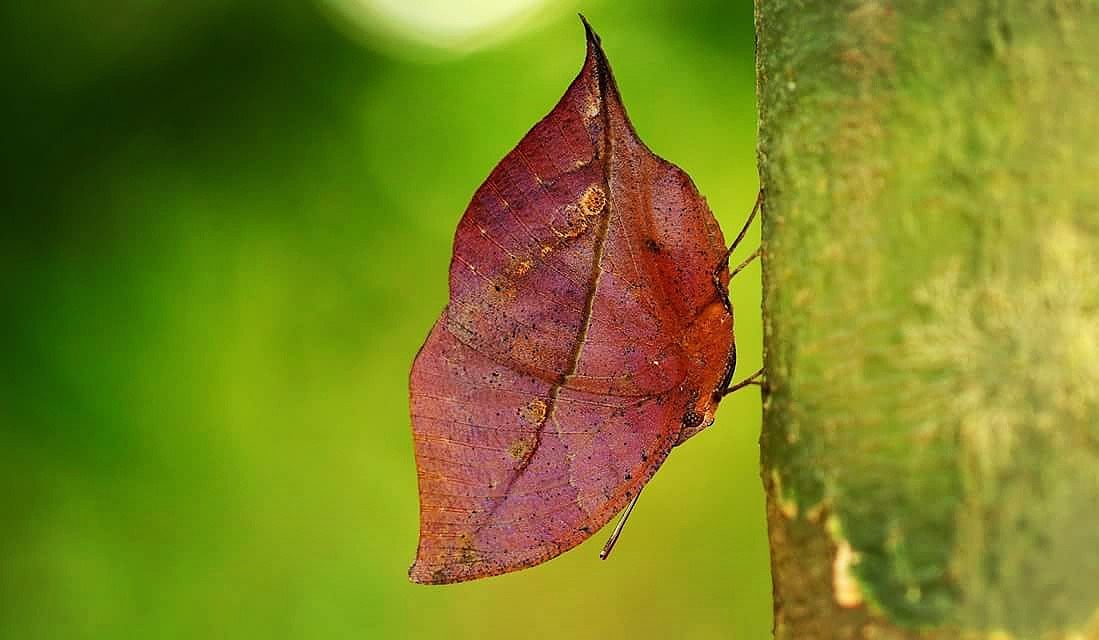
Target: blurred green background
column 227, row 231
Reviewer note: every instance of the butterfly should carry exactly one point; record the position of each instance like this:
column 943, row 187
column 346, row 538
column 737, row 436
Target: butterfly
column 589, row 332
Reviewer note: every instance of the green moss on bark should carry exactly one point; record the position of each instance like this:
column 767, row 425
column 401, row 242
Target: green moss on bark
column 931, row 275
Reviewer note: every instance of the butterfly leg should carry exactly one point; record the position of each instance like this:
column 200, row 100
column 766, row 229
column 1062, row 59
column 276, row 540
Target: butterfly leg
column 755, row 378
column 747, row 223
column 747, row 261
column 724, row 262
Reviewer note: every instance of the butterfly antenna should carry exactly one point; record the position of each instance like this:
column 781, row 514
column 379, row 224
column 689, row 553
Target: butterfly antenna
column 618, row 528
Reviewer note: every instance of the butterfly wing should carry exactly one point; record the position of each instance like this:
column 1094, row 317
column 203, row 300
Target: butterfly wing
column 514, row 470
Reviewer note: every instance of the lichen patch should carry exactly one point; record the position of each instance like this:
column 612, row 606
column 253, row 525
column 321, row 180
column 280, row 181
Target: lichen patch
column 522, row 448
column 534, row 411
column 519, row 267
column 787, row 505
column 593, row 201
column 576, row 222
column 845, row 586
column 591, row 106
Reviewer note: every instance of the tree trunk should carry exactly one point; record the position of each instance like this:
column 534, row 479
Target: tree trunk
column 931, row 309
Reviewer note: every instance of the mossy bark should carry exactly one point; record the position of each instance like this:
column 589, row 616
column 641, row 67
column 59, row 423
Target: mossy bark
column 931, row 308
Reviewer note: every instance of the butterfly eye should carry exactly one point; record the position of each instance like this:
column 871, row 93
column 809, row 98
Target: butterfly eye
column 692, row 419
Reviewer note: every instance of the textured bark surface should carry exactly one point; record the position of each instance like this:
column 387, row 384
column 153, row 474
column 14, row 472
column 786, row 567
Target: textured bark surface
column 931, row 308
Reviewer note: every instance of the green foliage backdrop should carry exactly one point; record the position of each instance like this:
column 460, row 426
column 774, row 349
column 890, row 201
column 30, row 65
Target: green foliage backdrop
column 228, row 228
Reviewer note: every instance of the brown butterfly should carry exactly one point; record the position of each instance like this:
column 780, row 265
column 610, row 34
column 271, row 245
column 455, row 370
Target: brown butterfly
column 589, row 331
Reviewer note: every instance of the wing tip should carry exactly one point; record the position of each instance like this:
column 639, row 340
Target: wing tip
column 593, row 37
column 595, row 43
